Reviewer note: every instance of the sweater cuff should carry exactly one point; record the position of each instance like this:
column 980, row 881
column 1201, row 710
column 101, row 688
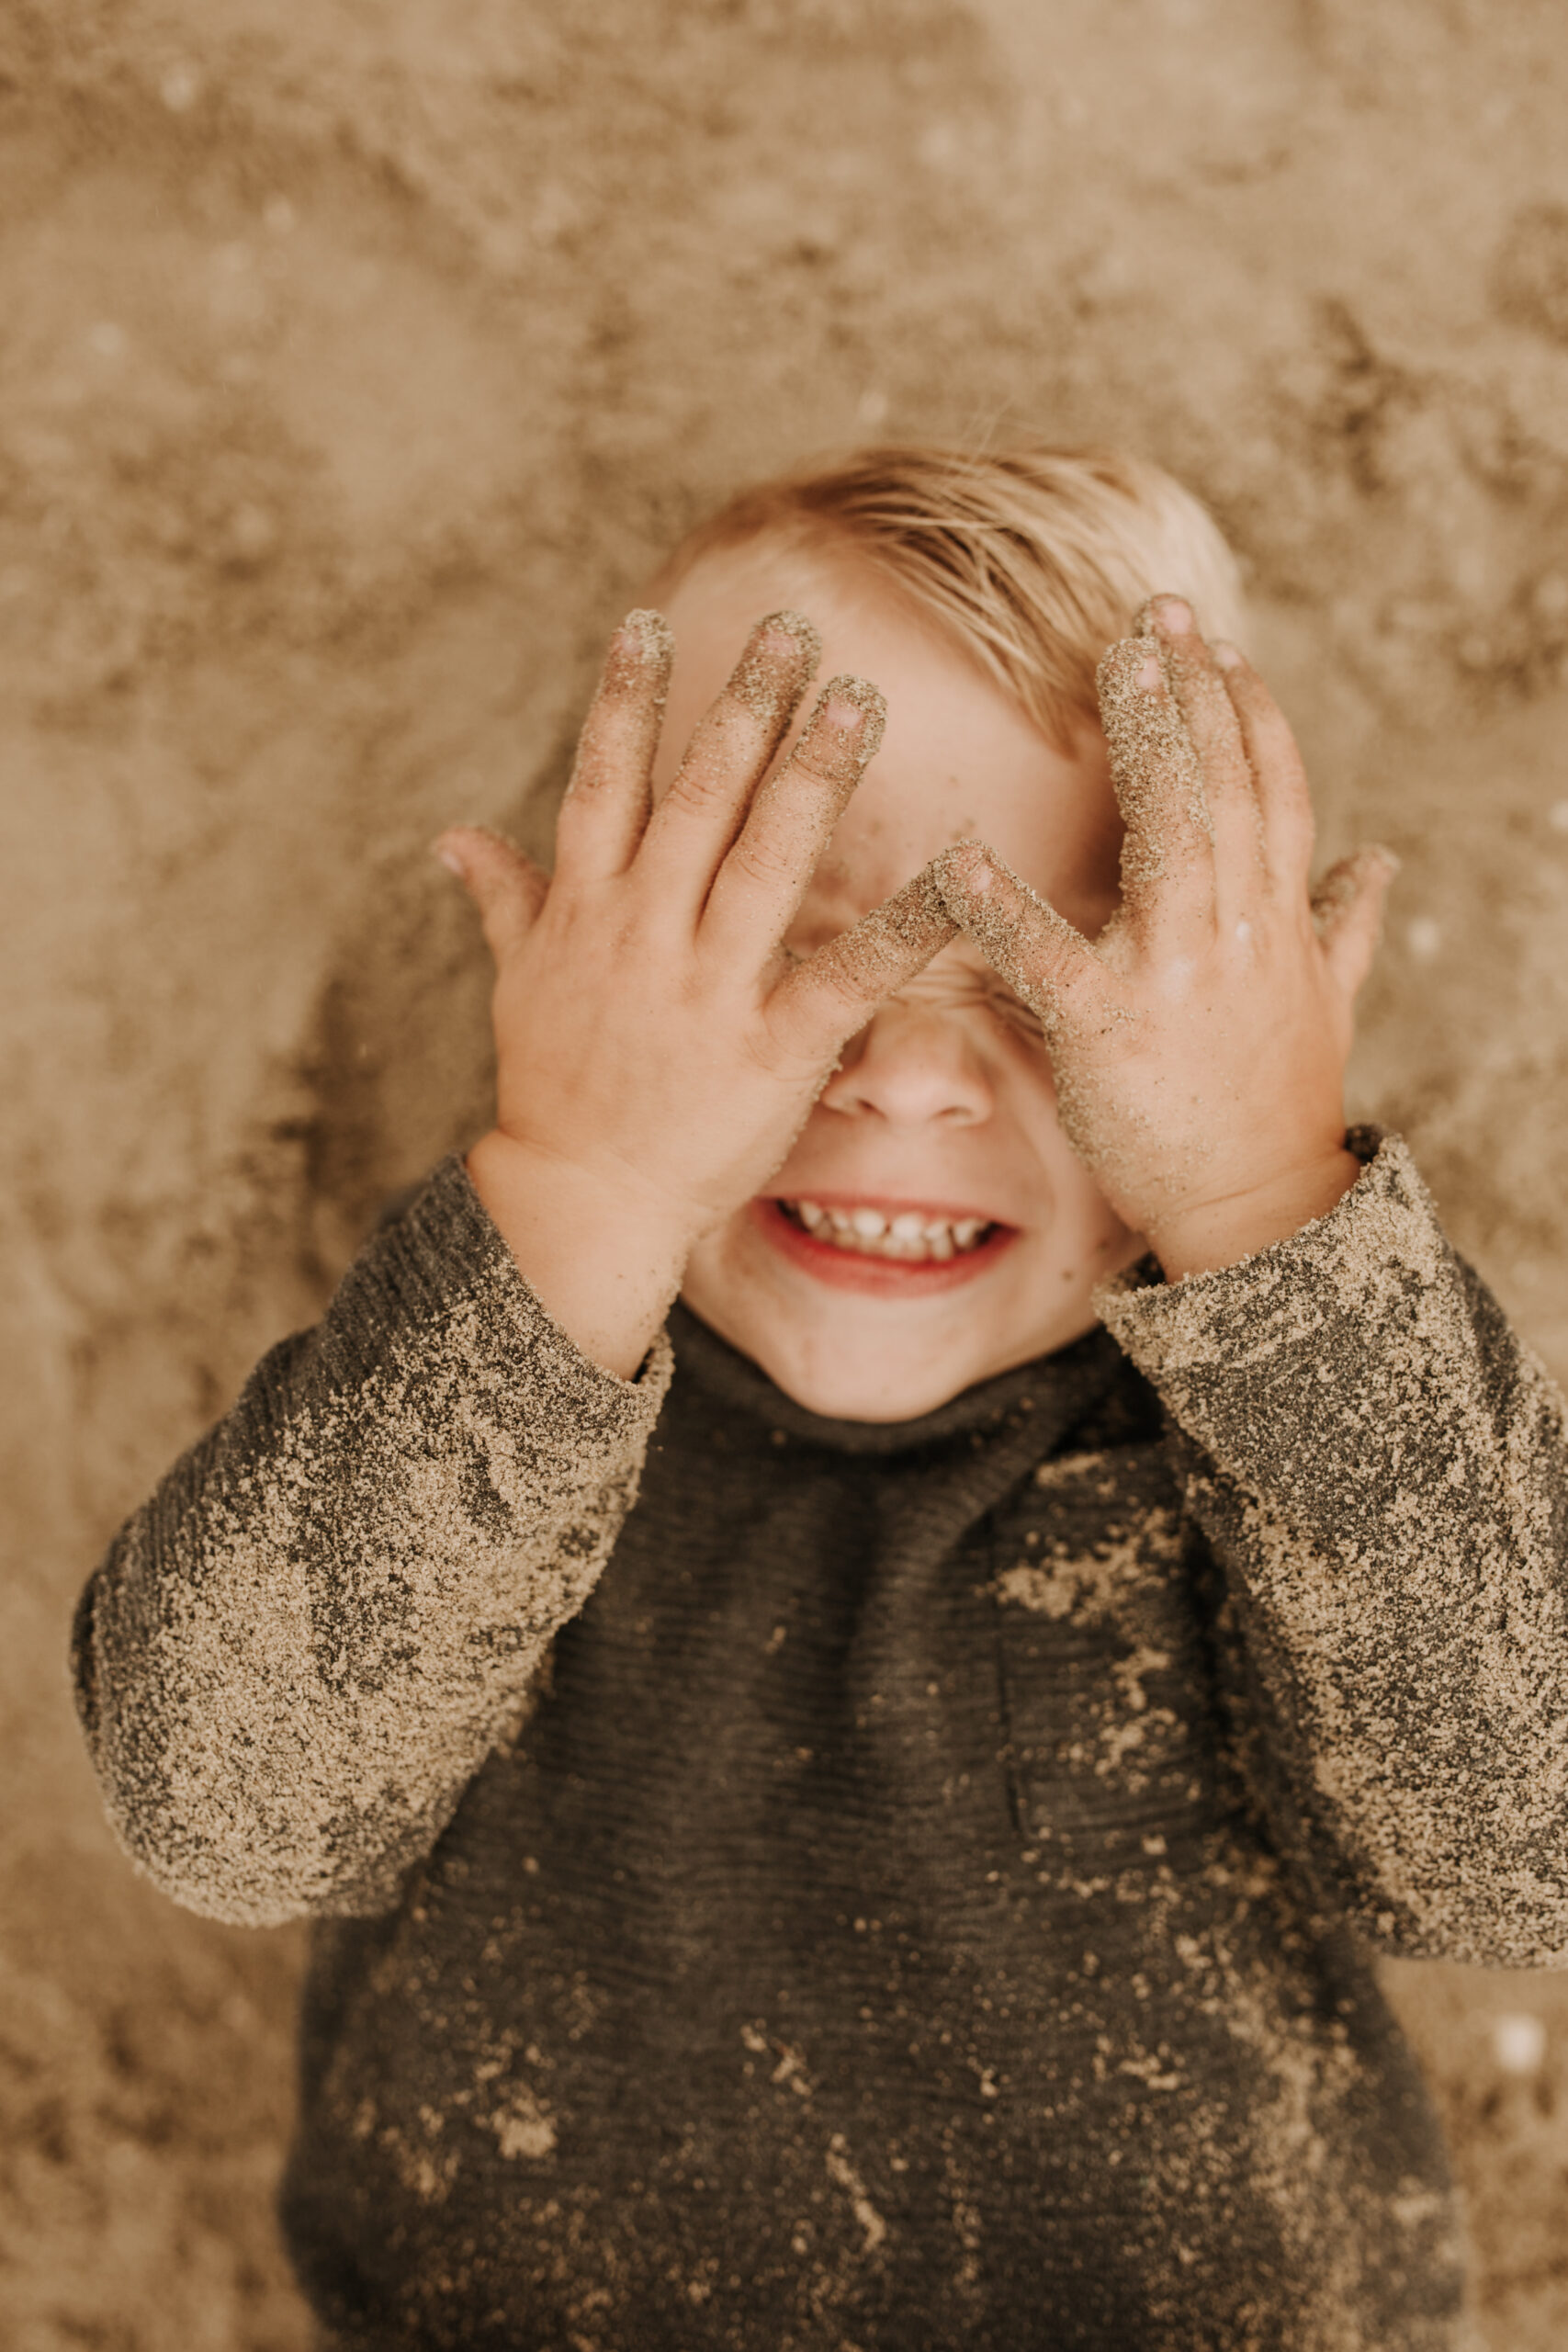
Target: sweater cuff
column 1356, row 1259
column 444, row 1251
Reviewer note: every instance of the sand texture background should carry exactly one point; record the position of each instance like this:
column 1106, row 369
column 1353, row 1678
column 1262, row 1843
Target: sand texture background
column 356, row 357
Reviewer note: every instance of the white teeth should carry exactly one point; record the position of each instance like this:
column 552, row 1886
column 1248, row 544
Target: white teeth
column 907, row 1235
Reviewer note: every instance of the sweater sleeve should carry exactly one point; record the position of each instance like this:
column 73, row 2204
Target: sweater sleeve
column 300, row 1649
column 1379, row 1464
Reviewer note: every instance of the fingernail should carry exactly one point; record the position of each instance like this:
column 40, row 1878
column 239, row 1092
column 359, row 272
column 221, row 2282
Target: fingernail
column 1128, row 670
column 450, row 859
column 648, row 633
column 644, row 642
column 781, row 653
column 1389, row 857
column 854, row 705
column 1174, row 614
column 792, row 632
column 967, row 864
column 1227, row 655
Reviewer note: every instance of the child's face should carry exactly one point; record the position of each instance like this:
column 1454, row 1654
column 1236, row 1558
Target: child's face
column 943, row 1108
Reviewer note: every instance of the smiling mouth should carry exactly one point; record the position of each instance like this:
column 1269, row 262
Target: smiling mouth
column 904, row 1236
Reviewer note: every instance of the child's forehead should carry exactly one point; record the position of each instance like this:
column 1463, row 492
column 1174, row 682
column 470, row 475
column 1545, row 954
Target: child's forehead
column 726, row 589
column 961, row 759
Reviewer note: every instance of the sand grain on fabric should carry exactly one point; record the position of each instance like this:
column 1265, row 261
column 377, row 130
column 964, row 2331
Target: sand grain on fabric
column 1002, row 1980
column 1369, row 1306
column 381, row 1545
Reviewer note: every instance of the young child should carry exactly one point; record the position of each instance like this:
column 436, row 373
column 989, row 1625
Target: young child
column 847, row 1808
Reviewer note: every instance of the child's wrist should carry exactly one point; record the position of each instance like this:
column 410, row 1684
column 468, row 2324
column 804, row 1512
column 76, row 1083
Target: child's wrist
column 1202, row 1236
column 603, row 1262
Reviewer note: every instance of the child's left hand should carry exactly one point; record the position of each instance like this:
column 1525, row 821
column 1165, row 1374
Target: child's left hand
column 1199, row 1047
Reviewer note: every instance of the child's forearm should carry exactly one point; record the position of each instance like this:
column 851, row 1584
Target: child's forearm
column 299, row 1651
column 1382, row 1470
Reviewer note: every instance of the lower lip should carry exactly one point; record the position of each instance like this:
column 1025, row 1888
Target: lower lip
column 875, row 1277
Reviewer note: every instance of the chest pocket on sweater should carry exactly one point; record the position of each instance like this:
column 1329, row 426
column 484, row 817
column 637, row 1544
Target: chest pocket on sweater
column 1105, row 1686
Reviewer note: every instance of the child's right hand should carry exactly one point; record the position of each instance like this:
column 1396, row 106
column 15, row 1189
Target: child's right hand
column 657, row 1052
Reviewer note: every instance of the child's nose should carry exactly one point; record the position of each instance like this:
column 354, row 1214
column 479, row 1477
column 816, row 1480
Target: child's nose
column 911, row 1063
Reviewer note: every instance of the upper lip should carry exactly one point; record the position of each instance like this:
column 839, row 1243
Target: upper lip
column 890, row 1204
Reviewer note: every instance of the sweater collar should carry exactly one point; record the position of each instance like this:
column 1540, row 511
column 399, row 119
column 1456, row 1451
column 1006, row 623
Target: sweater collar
column 1045, row 1394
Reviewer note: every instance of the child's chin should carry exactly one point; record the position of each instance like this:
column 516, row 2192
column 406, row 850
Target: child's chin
column 856, row 1358
column 868, row 1390
column 840, row 1360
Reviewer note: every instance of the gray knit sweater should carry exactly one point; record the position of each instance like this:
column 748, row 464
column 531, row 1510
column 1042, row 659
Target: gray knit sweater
column 874, row 1887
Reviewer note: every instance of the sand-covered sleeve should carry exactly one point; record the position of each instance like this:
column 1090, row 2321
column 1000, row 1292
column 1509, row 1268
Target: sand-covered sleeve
column 298, row 1653
column 1379, row 1467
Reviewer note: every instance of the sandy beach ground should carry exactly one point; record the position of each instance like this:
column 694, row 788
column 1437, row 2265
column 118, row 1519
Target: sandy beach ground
column 356, row 359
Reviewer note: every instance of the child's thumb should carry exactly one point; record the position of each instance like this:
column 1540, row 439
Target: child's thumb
column 1347, row 907
column 507, row 887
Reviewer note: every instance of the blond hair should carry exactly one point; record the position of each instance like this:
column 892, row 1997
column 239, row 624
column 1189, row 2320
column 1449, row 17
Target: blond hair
column 1035, row 558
